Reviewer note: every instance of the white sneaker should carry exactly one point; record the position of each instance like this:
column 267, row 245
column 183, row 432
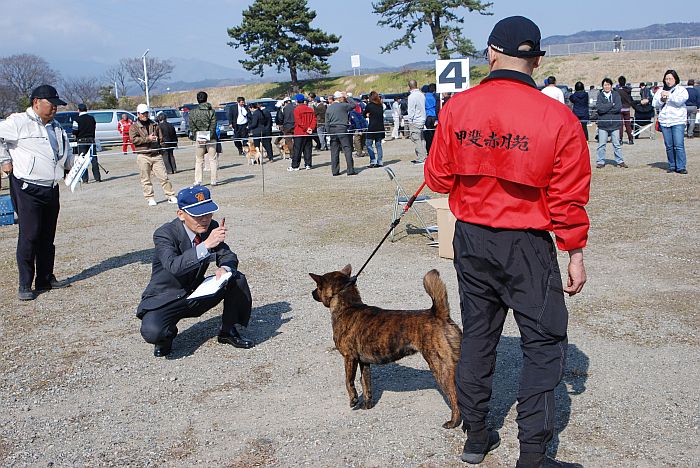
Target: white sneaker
column 291, row 169
column 152, row 202
column 213, row 183
column 172, row 200
column 307, row 168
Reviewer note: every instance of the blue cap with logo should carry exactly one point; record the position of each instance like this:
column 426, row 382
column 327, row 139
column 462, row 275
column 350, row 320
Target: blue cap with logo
column 196, row 201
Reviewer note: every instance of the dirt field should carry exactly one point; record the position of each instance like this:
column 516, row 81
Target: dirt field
column 78, row 386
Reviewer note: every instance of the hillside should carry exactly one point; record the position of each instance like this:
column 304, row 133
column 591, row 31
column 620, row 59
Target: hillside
column 655, row 31
column 590, row 69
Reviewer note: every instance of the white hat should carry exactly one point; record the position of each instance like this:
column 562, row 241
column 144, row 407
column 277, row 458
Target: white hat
column 279, row 103
column 142, row 108
column 349, row 94
column 337, row 95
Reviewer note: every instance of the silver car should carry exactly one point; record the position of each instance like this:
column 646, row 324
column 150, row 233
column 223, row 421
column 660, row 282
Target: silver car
column 106, row 121
column 174, row 118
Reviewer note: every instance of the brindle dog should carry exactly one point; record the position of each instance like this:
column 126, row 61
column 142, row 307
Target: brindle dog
column 367, row 335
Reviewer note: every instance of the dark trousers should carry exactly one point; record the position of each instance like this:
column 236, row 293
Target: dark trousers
column 95, row 164
column 338, row 141
column 266, row 142
column 160, row 325
column 584, row 126
column 626, row 124
column 37, row 212
column 429, row 132
column 497, row 270
column 240, row 132
column 302, row 145
column 169, row 160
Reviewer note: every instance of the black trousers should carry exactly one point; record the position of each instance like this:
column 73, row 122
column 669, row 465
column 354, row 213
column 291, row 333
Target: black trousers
column 340, row 139
column 240, row 132
column 160, row 325
column 266, row 143
column 37, row 212
column 302, row 145
column 169, row 160
column 95, row 164
column 497, row 270
column 429, row 132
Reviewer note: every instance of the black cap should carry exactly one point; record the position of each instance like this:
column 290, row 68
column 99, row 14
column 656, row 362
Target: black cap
column 82, row 107
column 514, row 31
column 47, row 92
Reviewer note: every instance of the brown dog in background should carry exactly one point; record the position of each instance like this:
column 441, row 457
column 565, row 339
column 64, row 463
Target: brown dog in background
column 367, row 335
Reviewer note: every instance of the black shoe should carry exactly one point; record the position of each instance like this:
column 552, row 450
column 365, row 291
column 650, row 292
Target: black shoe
column 234, row 339
column 669, row 171
column 372, row 166
column 25, row 294
column 474, row 452
column 352, row 173
column 543, row 462
column 163, row 349
column 683, row 171
column 53, row 284
column 417, row 163
column 631, row 142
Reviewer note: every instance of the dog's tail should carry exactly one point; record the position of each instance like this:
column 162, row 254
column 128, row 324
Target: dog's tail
column 437, row 291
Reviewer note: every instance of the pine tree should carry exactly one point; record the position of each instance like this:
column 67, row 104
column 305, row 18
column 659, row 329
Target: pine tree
column 440, row 16
column 278, row 33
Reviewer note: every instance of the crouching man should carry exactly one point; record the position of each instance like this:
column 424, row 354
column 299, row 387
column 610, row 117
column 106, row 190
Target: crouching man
column 184, row 248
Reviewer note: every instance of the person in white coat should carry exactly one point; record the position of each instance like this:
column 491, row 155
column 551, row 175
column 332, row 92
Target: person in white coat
column 670, row 104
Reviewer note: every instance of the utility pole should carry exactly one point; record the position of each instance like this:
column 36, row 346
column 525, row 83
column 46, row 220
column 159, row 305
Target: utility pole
column 145, row 77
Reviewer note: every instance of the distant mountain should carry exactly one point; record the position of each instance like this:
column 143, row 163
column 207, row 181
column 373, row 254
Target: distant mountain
column 655, row 31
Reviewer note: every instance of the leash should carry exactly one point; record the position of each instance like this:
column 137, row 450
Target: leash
column 395, row 223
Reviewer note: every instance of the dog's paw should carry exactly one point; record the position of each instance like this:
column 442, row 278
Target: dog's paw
column 367, row 404
column 451, row 424
column 353, row 402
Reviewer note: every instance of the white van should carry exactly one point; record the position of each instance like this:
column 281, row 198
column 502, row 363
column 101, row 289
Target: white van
column 106, row 125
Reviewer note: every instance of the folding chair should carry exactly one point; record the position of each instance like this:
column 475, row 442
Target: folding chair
column 401, row 199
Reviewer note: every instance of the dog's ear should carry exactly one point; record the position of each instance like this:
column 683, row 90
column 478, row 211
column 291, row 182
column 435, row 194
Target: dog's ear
column 316, row 278
column 347, row 270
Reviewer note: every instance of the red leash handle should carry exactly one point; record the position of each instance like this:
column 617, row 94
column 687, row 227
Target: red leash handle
column 413, row 198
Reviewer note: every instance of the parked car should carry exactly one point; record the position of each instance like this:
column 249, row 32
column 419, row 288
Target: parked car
column 267, row 103
column 66, row 121
column 106, row 125
column 174, row 117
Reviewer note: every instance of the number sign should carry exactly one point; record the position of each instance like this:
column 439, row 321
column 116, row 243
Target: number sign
column 452, row 76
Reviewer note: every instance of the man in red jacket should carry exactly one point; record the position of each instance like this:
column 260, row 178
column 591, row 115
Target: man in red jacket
column 516, row 165
column 304, row 127
column 123, row 126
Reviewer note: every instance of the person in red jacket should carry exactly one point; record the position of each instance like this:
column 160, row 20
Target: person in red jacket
column 304, row 127
column 123, row 126
column 516, row 165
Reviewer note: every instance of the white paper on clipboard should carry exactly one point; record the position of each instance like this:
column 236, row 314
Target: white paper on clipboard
column 210, row 286
column 80, row 165
column 203, row 135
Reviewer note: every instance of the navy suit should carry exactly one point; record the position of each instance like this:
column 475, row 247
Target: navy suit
column 176, row 272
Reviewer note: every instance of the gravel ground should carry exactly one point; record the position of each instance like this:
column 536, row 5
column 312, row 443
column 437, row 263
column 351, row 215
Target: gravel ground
column 78, row 386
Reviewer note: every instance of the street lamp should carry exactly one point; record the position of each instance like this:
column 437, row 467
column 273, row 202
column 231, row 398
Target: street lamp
column 145, row 77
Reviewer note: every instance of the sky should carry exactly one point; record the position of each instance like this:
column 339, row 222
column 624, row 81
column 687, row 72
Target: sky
column 103, row 31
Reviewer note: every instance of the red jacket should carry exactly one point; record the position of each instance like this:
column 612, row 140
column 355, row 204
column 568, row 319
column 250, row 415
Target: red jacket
column 304, row 118
column 123, row 126
column 511, row 157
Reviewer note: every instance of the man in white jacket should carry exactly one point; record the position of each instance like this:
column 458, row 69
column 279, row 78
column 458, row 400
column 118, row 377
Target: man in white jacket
column 35, row 152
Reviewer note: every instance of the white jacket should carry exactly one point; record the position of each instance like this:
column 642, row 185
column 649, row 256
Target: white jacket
column 24, row 140
column 674, row 112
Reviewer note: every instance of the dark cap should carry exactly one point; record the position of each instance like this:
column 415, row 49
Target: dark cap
column 82, row 107
column 514, row 31
column 47, row 92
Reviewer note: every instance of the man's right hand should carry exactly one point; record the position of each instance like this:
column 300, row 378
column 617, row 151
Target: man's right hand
column 7, row 167
column 576, row 273
column 217, row 236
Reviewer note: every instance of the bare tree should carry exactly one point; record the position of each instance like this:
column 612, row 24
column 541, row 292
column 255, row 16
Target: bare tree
column 9, row 101
column 118, row 76
column 24, row 72
column 81, row 90
column 157, row 70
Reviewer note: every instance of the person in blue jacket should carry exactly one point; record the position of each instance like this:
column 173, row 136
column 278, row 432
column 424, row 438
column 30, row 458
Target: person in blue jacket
column 580, row 101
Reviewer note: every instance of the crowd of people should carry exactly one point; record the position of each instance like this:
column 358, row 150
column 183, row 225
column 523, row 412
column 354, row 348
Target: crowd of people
column 617, row 113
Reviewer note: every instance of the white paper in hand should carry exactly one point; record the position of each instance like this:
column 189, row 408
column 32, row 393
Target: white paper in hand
column 210, row 286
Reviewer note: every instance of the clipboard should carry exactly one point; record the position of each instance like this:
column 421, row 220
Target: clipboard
column 210, row 286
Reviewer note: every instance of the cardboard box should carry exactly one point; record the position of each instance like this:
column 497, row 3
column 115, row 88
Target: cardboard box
column 446, row 226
